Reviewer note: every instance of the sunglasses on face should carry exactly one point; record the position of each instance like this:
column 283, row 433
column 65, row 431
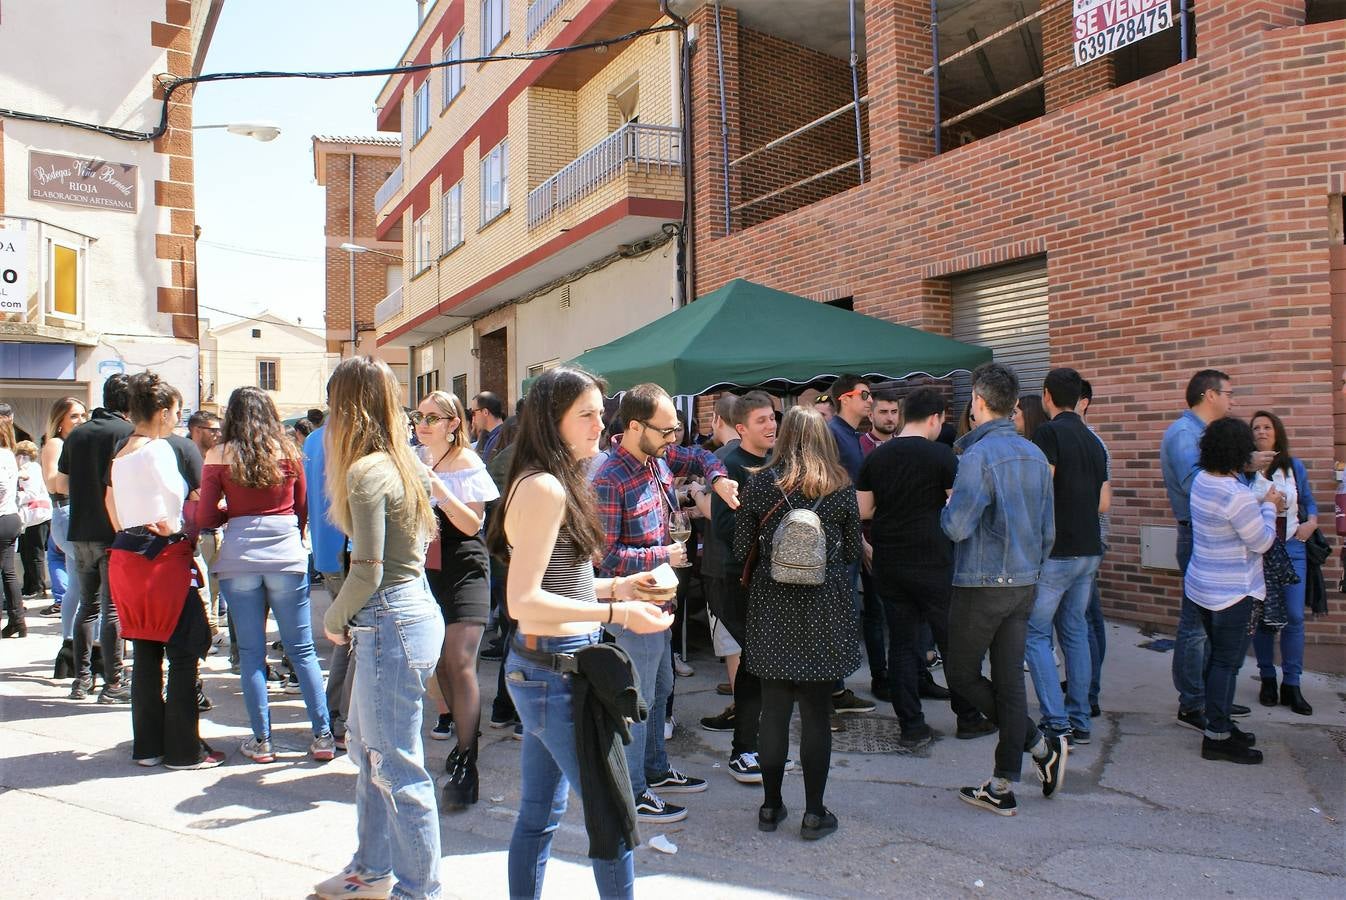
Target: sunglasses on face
column 431, row 419
column 864, row 394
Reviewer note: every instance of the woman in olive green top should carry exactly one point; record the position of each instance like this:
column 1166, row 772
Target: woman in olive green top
column 379, row 497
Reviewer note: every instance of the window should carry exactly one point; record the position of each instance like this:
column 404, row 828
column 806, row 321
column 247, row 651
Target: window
column 65, row 285
column 453, row 217
column 257, row 332
column 421, row 120
column 420, row 245
column 426, row 384
column 268, row 374
column 454, row 76
column 460, row 386
column 495, row 182
column 494, row 24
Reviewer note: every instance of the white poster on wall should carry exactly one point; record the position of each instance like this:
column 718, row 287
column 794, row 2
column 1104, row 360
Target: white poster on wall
column 1105, row 26
column 13, row 271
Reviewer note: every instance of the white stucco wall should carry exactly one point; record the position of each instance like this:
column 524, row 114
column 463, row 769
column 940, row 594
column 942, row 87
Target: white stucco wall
column 304, row 363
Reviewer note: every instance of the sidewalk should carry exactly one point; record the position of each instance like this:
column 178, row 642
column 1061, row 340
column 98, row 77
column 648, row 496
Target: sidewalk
column 1141, row 814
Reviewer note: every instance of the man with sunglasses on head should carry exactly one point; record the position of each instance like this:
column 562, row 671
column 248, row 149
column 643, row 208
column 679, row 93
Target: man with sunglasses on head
column 634, row 486
column 854, row 403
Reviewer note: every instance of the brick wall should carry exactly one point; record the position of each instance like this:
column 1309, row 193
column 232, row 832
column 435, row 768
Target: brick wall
column 371, row 170
column 1184, row 218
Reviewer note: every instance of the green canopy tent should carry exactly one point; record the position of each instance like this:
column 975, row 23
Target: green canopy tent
column 747, row 335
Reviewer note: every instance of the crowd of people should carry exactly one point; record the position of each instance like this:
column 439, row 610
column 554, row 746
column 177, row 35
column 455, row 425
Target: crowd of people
column 869, row 523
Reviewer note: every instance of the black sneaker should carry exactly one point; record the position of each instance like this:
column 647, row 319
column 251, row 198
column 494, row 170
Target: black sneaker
column 745, row 769
column 881, row 690
column 1195, row 720
column 493, row 651
column 1094, row 711
column 1000, row 804
column 79, row 689
column 203, row 703
column 975, row 727
column 1052, row 768
column 674, row 782
column 931, row 689
column 499, row 721
column 935, row 661
column 847, row 702
column 443, row 729
column 114, row 694
column 768, row 817
column 1079, row 736
column 649, row 808
column 1230, row 750
column 723, row 722
column 814, row 827
column 1239, row 712
column 915, row 737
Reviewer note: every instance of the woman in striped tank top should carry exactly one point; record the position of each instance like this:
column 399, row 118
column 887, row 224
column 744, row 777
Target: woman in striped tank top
column 550, row 529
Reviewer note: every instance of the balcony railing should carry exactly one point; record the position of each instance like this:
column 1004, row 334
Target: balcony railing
column 540, row 12
column 388, row 307
column 389, row 189
column 652, row 147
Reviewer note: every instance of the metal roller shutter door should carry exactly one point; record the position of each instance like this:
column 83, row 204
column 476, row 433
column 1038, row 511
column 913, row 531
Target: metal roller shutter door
column 1005, row 310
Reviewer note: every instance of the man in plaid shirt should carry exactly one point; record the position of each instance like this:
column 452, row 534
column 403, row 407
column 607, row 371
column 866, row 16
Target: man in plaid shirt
column 634, row 486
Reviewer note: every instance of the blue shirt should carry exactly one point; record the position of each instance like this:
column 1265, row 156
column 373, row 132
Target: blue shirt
column 1178, row 455
column 327, row 540
column 848, row 445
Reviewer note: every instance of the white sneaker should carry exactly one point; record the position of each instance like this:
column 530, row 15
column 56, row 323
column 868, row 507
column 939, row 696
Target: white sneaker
column 669, row 725
column 349, row 883
column 681, row 668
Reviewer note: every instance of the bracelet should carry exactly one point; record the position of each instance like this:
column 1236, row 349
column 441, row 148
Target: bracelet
column 609, row 613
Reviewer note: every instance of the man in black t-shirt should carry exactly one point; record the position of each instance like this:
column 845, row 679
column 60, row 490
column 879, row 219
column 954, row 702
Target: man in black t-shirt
column 903, row 486
column 85, row 458
column 1081, row 493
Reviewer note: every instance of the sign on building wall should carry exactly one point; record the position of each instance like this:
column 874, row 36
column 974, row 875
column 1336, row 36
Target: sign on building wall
column 1103, row 26
column 82, row 181
column 13, row 271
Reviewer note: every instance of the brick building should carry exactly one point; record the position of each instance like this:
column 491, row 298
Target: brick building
column 99, row 233
column 536, row 200
column 351, row 170
column 1137, row 217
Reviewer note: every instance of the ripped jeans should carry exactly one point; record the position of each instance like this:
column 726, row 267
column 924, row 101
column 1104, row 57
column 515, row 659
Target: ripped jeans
column 396, row 640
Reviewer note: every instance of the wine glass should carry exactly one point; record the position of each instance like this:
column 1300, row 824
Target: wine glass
column 680, row 529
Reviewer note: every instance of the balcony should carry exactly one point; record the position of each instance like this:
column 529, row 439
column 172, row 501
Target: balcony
column 540, row 12
column 389, row 307
column 389, row 189
column 647, row 148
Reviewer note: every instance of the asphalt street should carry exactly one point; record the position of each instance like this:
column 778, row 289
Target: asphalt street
column 1140, row 815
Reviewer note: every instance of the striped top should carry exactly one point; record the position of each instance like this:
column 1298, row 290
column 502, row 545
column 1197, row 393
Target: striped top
column 570, row 573
column 1229, row 535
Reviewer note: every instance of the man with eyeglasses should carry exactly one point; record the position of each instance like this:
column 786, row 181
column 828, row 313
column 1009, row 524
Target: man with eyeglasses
column 854, row 404
column 1209, row 397
column 634, row 486
column 487, row 415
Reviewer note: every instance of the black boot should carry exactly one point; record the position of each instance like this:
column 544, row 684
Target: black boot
column 1268, row 695
column 460, row 790
column 930, row 689
column 18, row 623
column 1291, row 697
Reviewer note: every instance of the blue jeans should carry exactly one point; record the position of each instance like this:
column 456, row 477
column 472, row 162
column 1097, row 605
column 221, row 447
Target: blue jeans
column 1227, row 634
column 1191, row 649
column 1292, row 635
column 286, row 594
column 60, row 536
column 549, row 767
column 1062, row 597
column 1098, row 640
column 60, row 581
column 652, row 655
column 396, row 639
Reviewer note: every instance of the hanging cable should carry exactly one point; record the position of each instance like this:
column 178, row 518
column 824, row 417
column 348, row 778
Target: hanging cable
column 172, row 84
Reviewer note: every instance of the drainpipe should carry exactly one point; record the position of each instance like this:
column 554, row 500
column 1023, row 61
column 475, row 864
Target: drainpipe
column 724, row 118
column 934, row 45
column 855, row 91
column 686, row 276
column 350, row 257
column 1182, row 29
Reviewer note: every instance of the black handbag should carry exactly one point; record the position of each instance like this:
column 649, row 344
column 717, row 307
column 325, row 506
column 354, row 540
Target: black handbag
column 1278, row 572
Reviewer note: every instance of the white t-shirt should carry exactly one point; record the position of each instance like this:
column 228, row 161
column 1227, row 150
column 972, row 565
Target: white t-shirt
column 148, row 486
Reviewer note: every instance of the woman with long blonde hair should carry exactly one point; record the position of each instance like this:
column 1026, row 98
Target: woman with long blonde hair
column 801, row 638
column 262, row 563
column 459, row 572
column 67, row 414
column 379, row 495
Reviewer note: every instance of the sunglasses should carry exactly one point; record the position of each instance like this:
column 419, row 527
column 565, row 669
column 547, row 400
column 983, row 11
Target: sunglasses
column 864, row 395
column 663, row 432
column 821, row 398
column 431, row 419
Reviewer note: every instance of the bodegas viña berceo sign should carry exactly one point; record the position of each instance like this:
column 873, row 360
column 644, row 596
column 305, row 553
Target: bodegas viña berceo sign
column 82, row 181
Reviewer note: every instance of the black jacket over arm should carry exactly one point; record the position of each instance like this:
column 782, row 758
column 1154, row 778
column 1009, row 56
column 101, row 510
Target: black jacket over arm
column 606, row 694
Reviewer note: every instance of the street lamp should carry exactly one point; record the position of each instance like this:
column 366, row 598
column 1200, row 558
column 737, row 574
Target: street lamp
column 353, row 249
column 258, row 131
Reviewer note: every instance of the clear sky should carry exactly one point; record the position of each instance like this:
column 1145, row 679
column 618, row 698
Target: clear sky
column 262, row 196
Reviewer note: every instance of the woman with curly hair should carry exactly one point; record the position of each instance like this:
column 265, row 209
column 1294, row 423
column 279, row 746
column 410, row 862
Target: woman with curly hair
column 262, row 564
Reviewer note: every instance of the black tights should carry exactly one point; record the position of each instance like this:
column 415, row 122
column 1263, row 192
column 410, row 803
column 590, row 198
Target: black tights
column 815, row 738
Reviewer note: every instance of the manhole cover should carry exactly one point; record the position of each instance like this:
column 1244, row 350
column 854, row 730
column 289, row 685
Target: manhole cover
column 867, row 734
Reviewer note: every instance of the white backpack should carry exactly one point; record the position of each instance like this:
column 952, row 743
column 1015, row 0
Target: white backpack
column 33, row 499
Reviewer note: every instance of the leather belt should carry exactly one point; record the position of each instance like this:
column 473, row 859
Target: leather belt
column 563, row 663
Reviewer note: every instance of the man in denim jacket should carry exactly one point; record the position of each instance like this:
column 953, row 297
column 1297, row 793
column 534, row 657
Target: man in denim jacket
column 1000, row 518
